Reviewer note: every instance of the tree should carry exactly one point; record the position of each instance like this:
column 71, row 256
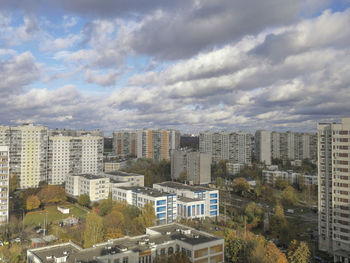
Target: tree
column 281, row 184
column 241, row 186
column 32, row 202
column 148, row 215
column 233, row 246
column 219, row 182
column 289, row 196
column 52, row 194
column 113, row 224
column 105, row 206
column 93, row 229
column 13, row 183
column 84, row 200
column 254, row 214
column 298, row 252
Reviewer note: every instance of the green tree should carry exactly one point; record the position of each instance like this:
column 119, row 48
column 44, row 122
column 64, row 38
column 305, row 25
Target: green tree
column 93, row 229
column 233, row 246
column 84, row 200
column 289, row 196
column 298, row 252
column 32, row 202
column 254, row 214
column 281, row 184
column 105, row 206
column 148, row 215
column 241, row 186
column 219, row 182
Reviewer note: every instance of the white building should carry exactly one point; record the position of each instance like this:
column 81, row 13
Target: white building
column 334, row 189
column 210, row 197
column 158, row 241
column 74, row 155
column 263, row 146
column 196, row 165
column 232, row 146
column 97, row 187
column 234, row 168
column 4, row 184
column 165, row 204
column 270, row 177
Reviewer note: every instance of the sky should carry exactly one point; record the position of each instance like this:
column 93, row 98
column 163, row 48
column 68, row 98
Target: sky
column 188, row 65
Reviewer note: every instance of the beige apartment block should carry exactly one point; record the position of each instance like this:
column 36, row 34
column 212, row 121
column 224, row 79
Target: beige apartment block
column 334, row 189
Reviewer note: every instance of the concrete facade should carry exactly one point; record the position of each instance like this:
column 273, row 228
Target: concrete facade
column 4, row 184
column 334, row 189
column 158, row 241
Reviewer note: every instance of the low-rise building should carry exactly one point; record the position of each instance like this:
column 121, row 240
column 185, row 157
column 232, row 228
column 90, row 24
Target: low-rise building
column 270, row 177
column 97, row 187
column 190, row 208
column 210, row 196
column 158, row 241
column 165, row 204
column 234, row 168
column 111, row 166
column 125, row 179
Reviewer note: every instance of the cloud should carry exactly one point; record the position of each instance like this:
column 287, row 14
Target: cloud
column 107, row 79
column 18, row 71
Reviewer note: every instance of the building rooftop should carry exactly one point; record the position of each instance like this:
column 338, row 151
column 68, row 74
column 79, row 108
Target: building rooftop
column 184, row 186
column 154, row 236
column 89, row 176
column 187, row 199
column 145, row 190
column 120, row 173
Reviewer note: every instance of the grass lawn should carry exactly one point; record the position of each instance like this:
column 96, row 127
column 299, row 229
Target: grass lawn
column 52, row 214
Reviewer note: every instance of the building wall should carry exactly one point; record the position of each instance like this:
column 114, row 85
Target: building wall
column 334, row 188
column 263, row 146
column 234, row 146
column 4, row 184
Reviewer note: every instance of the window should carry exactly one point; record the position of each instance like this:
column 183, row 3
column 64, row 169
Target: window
column 213, row 195
column 125, row 260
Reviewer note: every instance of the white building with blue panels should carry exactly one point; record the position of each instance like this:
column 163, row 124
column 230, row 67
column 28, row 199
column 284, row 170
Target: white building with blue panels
column 165, row 204
column 209, row 196
column 190, row 208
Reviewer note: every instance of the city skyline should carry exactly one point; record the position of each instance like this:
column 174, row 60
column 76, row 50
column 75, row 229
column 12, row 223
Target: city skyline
column 187, row 65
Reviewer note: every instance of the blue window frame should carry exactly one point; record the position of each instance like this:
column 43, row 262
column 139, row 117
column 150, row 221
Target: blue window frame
column 202, row 209
column 161, row 208
column 214, row 201
column 162, row 215
column 213, row 207
column 213, row 195
column 189, row 211
column 213, row 213
column 161, row 202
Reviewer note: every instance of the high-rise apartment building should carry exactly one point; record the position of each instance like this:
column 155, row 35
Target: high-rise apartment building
column 74, row 155
column 232, row 146
column 263, row 146
column 4, row 184
column 28, row 153
column 124, row 143
column 334, row 189
column 157, row 144
column 147, row 143
column 196, row 165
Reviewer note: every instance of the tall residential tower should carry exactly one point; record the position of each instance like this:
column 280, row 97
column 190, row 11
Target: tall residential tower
column 334, row 189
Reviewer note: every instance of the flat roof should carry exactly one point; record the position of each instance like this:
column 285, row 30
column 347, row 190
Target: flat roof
column 120, row 173
column 157, row 235
column 145, row 190
column 187, row 199
column 90, row 176
column 177, row 185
